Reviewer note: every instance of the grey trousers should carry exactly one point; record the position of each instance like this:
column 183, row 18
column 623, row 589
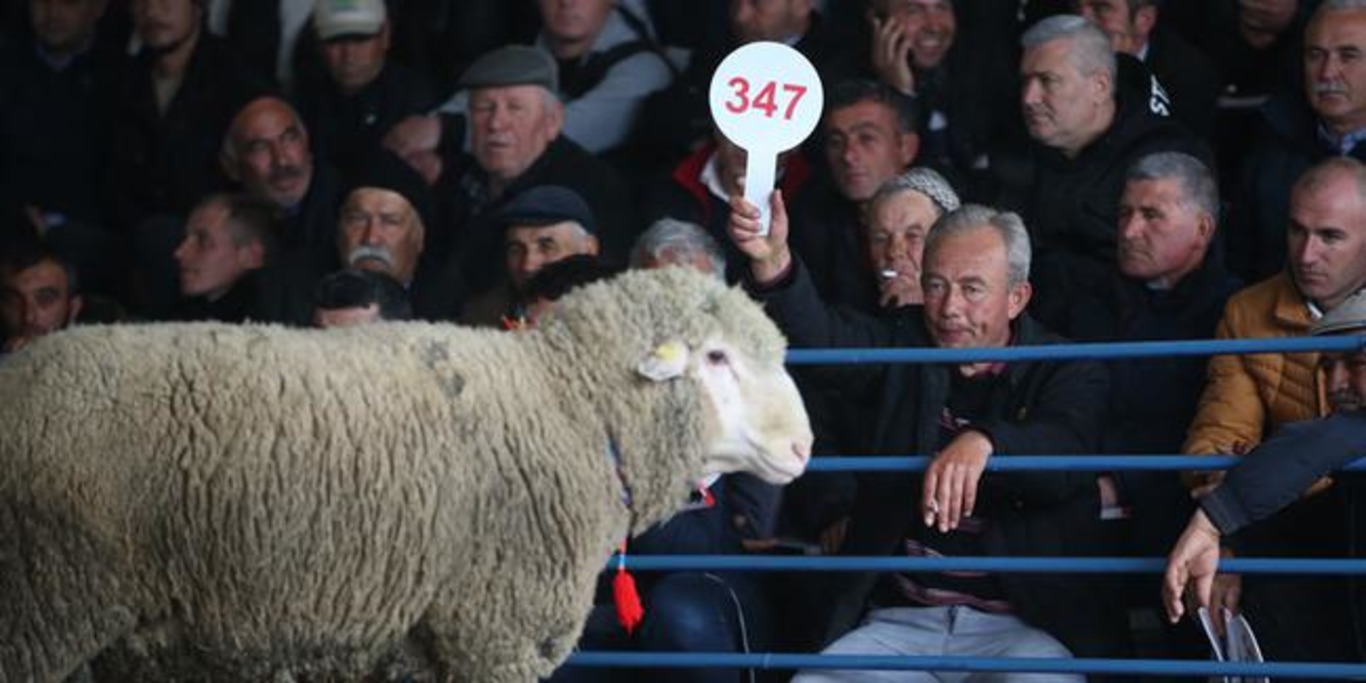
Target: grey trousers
column 942, row 631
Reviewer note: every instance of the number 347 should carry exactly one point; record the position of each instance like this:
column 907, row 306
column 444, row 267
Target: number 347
column 766, row 99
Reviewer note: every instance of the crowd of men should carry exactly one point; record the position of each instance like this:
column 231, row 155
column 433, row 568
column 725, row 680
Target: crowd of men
column 983, row 175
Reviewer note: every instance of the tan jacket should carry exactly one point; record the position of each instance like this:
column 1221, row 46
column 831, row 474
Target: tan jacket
column 1248, row 396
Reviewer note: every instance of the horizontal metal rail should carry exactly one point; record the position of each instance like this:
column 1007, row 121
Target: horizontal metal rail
column 1015, row 463
column 1104, row 351
column 1157, row 667
column 1008, row 565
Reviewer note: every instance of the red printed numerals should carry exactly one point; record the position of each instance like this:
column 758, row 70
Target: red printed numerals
column 766, row 100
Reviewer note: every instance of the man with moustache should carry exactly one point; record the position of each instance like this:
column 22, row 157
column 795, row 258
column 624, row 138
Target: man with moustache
column 267, row 152
column 383, row 226
column 1300, row 128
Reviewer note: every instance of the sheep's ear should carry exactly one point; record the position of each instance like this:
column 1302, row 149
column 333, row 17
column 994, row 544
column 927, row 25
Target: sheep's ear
column 667, row 361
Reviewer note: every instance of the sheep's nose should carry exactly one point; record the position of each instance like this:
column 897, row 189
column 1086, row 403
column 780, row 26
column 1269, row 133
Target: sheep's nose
column 802, row 450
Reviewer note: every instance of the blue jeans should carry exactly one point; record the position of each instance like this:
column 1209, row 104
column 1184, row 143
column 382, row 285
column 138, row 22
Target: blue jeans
column 684, row 612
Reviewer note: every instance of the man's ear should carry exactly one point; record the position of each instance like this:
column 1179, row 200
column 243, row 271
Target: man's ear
column 1144, row 21
column 74, row 308
column 1103, row 83
column 910, row 146
column 1205, row 227
column 228, row 162
column 252, row 255
column 1019, row 298
column 665, row 362
column 556, row 118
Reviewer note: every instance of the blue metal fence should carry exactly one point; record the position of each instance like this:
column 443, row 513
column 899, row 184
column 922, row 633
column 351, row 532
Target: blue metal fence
column 1070, row 565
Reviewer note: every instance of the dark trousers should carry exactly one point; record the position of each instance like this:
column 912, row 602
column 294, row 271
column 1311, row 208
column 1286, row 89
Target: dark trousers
column 684, row 612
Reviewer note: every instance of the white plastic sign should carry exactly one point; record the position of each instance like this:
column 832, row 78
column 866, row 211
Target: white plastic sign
column 766, row 98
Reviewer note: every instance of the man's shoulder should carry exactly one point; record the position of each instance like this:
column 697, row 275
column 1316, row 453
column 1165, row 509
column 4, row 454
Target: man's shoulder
column 1260, row 298
column 567, row 163
column 1272, row 307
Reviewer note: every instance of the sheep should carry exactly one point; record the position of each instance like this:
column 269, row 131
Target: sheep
column 251, row 502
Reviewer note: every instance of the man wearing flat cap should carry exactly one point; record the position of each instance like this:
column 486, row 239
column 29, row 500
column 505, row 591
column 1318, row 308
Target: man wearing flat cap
column 382, row 227
column 515, row 126
column 540, row 226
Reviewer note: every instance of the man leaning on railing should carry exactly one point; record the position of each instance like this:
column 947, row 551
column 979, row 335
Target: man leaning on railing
column 975, row 280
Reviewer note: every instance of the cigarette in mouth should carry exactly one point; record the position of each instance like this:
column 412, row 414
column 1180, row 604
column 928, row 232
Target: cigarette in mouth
column 887, row 274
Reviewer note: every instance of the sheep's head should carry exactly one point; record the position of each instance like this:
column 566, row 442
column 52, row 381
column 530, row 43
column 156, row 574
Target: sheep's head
column 760, row 424
column 696, row 367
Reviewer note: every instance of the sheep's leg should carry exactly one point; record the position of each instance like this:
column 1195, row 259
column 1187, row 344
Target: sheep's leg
column 503, row 634
column 60, row 596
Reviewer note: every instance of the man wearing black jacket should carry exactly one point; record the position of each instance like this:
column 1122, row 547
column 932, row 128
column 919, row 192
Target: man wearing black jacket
column 1091, row 115
column 975, row 279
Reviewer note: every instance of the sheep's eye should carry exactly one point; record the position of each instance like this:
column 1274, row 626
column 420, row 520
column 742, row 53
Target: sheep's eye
column 717, row 357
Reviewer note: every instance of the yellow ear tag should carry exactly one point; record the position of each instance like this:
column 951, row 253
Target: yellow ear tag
column 667, row 361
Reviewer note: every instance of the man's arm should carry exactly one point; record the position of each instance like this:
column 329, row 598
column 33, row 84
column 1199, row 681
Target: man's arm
column 601, row 118
column 1193, row 562
column 1268, row 479
column 1274, row 474
column 1230, row 411
column 1064, row 417
column 780, row 281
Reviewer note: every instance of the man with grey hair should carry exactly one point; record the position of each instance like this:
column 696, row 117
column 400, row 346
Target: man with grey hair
column 1299, row 128
column 673, row 242
column 1167, row 285
column 516, row 142
column 608, row 64
column 976, row 285
column 1091, row 114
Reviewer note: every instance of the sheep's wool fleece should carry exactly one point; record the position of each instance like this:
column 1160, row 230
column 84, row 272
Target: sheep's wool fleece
column 248, row 501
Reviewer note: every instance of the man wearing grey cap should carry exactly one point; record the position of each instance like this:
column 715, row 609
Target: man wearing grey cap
column 515, row 127
column 1277, row 472
column 607, row 64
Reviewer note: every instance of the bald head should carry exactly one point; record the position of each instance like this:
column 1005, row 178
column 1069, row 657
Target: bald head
column 266, row 152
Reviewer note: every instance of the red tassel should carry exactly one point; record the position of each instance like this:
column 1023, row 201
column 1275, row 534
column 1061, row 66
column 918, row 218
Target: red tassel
column 624, row 594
